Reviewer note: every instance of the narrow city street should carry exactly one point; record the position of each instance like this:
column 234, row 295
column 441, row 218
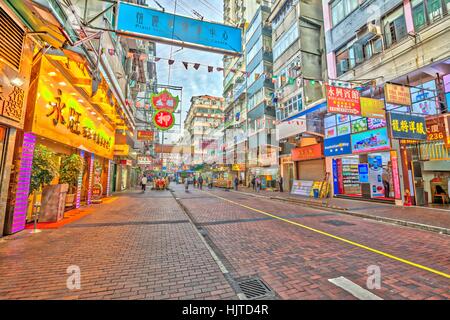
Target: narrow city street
column 150, row 246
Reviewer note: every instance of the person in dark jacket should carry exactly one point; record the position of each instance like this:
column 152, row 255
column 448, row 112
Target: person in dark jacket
column 253, row 183
column 200, row 182
column 236, row 183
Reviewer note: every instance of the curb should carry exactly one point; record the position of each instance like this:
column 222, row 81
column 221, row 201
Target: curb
column 404, row 223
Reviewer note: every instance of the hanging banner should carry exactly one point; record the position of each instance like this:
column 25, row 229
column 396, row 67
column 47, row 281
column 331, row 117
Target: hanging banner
column 406, row 126
column 163, row 120
column 395, row 94
column 341, row 100
column 150, row 24
column 372, row 108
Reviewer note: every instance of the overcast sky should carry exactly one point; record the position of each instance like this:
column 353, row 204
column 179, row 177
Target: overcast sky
column 194, row 82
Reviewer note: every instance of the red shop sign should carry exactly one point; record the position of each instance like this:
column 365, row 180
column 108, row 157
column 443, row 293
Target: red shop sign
column 343, row 100
column 307, row 153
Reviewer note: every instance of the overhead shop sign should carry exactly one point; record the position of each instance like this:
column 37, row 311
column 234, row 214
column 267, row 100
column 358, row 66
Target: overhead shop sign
column 337, row 146
column 143, row 22
column 396, row 94
column 406, row 126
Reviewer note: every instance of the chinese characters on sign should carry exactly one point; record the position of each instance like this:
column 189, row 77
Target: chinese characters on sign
column 437, row 129
column 395, row 94
column 165, row 27
column 12, row 107
column 145, row 135
column 405, row 126
column 164, row 101
column 165, row 105
column 342, row 100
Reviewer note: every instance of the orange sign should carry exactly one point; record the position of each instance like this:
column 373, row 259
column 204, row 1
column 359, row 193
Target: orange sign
column 145, row 135
column 396, row 94
column 437, row 130
column 307, row 153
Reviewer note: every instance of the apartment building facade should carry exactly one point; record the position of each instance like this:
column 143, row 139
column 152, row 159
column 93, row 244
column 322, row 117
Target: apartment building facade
column 205, row 114
column 298, row 74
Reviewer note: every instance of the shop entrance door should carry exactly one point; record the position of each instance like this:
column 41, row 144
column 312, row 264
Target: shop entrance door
column 114, row 178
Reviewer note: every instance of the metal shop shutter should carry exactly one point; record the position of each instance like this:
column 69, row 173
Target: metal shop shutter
column 311, row 170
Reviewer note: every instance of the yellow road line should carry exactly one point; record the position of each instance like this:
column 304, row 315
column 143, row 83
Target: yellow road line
column 341, row 239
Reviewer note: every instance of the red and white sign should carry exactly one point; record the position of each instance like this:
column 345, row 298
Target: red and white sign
column 164, row 120
column 342, row 100
column 146, row 135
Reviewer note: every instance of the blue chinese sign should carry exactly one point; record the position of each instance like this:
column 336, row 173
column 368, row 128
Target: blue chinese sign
column 144, row 22
column 407, row 126
column 337, row 146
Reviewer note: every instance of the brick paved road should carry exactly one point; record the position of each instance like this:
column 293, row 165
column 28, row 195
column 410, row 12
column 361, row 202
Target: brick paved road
column 136, row 247
column 144, row 247
column 297, row 262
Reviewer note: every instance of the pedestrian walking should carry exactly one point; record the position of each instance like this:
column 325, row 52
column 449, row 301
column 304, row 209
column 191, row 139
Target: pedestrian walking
column 200, row 182
column 236, row 183
column 253, row 183
column 195, row 181
column 258, row 184
column 280, row 183
column 144, row 183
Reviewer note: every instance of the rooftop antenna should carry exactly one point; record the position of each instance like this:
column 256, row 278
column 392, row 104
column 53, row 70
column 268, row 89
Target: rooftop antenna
column 198, row 14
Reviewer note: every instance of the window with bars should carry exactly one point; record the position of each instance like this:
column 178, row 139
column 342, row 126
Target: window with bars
column 11, row 40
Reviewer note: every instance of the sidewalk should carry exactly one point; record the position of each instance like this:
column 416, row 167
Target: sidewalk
column 140, row 246
column 431, row 219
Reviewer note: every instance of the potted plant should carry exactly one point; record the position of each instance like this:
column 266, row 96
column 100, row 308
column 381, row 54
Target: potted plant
column 71, row 168
column 44, row 169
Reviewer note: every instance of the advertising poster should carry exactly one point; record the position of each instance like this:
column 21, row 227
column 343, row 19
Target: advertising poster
column 372, row 108
column 395, row 175
column 375, row 176
column 375, row 123
column 363, row 171
column 372, row 140
column 343, row 129
column 330, row 121
column 337, row 146
column 331, row 132
column 359, row 125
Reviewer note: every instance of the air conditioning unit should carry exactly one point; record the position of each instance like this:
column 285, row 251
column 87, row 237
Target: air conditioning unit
column 343, row 65
column 368, row 31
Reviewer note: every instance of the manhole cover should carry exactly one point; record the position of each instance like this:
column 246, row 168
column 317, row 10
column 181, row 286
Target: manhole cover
column 338, row 223
column 254, row 288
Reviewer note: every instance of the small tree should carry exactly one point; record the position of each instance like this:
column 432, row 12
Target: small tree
column 71, row 168
column 44, row 169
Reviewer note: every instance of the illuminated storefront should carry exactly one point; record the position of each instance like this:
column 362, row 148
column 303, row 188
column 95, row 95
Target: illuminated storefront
column 363, row 165
column 62, row 116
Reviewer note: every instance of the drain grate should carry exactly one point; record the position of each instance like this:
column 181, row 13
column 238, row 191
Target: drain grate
column 254, row 288
column 338, row 223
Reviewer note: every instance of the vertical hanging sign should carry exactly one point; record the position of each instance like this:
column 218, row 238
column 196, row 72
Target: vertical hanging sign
column 79, row 183
column 91, row 178
column 23, row 183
